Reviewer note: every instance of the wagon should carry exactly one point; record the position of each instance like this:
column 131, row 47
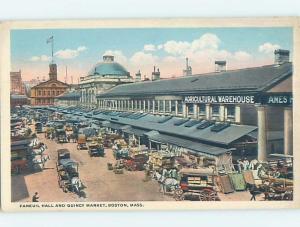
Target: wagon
column 196, row 184
column 81, row 142
column 136, row 162
column 96, row 149
column 67, row 173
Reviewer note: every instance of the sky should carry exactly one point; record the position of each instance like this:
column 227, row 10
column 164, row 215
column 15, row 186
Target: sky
column 140, row 49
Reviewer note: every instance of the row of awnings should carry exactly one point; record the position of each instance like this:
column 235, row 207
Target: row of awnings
column 157, row 137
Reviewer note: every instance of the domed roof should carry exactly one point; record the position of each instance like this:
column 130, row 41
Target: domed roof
column 108, row 67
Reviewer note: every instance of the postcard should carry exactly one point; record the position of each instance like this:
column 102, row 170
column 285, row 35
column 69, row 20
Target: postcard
column 150, row 114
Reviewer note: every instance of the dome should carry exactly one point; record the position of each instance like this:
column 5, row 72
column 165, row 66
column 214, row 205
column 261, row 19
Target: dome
column 108, row 67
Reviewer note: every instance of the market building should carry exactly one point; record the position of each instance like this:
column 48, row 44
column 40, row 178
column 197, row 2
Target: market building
column 256, row 101
column 44, row 93
column 102, row 77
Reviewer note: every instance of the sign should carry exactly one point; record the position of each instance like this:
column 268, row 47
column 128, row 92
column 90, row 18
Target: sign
column 234, row 99
column 281, row 99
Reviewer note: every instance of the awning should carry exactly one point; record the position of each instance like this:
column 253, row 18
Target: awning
column 188, row 144
column 135, row 131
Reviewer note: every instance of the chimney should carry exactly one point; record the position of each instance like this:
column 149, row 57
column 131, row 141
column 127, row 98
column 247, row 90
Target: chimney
column 220, row 66
column 188, row 69
column 138, row 76
column 155, row 74
column 281, row 56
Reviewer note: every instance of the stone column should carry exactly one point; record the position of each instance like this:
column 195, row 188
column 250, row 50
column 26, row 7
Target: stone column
column 222, row 113
column 176, row 108
column 144, row 107
column 262, row 133
column 164, row 106
column 208, row 111
column 132, row 105
column 288, row 130
column 140, row 105
column 170, row 106
column 196, row 111
column 158, row 106
column 149, row 109
column 237, row 117
column 153, row 105
column 184, row 110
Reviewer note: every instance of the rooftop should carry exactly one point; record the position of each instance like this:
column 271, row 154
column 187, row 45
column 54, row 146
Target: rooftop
column 232, row 81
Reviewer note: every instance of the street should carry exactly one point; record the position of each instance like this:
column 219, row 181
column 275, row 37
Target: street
column 101, row 184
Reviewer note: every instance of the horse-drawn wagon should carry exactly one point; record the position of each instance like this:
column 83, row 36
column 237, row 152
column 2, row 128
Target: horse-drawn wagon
column 81, row 142
column 196, row 184
column 136, row 162
column 67, row 173
column 95, row 149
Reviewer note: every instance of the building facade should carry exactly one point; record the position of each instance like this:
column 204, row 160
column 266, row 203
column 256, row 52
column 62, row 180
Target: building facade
column 44, row 93
column 102, row 77
column 259, row 96
column 16, row 83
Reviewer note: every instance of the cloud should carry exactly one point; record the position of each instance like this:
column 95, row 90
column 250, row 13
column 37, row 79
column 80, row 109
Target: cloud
column 176, row 47
column 149, row 47
column 70, row 53
column 42, row 58
column 242, row 56
column 268, row 48
column 142, row 58
column 206, row 41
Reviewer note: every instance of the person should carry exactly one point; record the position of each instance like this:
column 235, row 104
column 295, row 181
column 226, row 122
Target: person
column 35, row 197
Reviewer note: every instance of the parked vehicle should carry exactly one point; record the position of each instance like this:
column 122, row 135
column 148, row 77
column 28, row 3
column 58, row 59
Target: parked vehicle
column 38, row 127
column 68, row 175
column 61, row 136
column 196, row 184
column 96, row 149
column 81, row 142
column 136, row 162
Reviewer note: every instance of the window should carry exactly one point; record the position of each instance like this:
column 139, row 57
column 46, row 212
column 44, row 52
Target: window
column 40, row 93
column 173, row 106
column 167, row 106
column 179, row 106
column 57, row 92
column 215, row 109
column 151, row 105
column 48, row 93
column 202, row 109
column 230, row 110
column 44, row 93
column 156, row 105
column 161, row 106
column 190, row 108
column 53, row 93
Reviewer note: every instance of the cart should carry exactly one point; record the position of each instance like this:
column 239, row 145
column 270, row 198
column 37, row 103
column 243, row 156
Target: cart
column 81, row 142
column 196, row 184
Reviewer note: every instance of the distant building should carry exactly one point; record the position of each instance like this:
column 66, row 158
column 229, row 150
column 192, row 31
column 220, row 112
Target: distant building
column 44, row 93
column 102, row 77
column 16, row 84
